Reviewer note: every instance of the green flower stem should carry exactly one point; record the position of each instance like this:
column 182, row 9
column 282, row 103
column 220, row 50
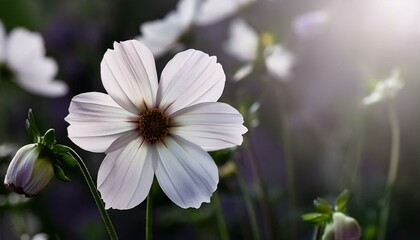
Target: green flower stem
column 95, row 194
column 393, row 170
column 149, row 216
column 224, row 234
column 265, row 204
column 317, row 233
column 249, row 206
column 290, row 165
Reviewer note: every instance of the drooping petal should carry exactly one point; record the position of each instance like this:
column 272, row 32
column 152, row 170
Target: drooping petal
column 212, row 11
column 212, row 126
column 48, row 89
column 185, row 172
column 126, row 175
column 279, row 62
column 242, row 41
column 162, row 35
column 129, row 75
column 191, row 77
column 23, row 49
column 96, row 121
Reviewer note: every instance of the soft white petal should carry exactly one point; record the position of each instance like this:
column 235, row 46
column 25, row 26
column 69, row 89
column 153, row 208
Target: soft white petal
column 2, row 43
column 279, row 62
column 243, row 72
column 47, row 89
column 212, row 11
column 309, row 22
column 161, row 35
column 42, row 69
column 126, row 175
column 20, row 168
column 242, row 41
column 185, row 172
column 212, row 126
column 23, row 49
column 129, row 75
column 96, row 121
column 189, row 78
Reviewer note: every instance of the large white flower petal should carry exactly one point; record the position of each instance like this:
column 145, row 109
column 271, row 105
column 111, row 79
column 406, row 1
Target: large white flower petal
column 279, row 62
column 96, row 121
column 185, row 172
column 129, row 75
column 191, row 77
column 212, row 11
column 242, row 41
column 126, row 175
column 2, row 43
column 212, row 126
column 23, row 49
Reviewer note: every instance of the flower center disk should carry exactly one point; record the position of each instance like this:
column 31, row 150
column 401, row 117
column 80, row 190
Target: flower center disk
column 153, row 125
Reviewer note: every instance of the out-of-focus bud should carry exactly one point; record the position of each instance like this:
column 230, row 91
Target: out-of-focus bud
column 30, row 170
column 342, row 227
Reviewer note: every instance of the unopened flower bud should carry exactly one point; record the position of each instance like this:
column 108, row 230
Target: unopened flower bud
column 30, row 170
column 342, row 228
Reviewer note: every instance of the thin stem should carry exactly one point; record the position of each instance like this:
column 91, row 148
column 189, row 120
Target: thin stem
column 317, row 233
column 265, row 204
column 290, row 165
column 96, row 197
column 393, row 170
column 224, row 234
column 149, row 217
column 249, row 206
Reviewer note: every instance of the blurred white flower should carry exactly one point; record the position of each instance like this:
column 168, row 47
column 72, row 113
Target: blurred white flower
column 343, row 228
column 148, row 128
column 243, row 43
column 161, row 36
column 30, row 171
column 308, row 23
column 212, row 11
column 7, row 149
column 23, row 53
column 385, row 89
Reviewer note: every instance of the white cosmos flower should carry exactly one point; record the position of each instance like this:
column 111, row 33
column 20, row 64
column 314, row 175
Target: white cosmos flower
column 162, row 35
column 243, row 43
column 212, row 11
column 385, row 89
column 23, row 53
column 148, row 129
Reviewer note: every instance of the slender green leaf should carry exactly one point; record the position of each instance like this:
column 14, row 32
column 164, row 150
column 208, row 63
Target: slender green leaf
column 49, row 138
column 67, row 160
column 342, row 200
column 59, row 173
column 323, row 206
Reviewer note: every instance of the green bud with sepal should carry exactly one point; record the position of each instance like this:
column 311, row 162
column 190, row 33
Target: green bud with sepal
column 35, row 165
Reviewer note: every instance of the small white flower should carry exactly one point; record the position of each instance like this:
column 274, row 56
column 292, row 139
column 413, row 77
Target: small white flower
column 243, row 43
column 161, row 36
column 148, row 128
column 30, row 171
column 212, row 11
column 309, row 22
column 343, row 228
column 385, row 89
column 23, row 53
